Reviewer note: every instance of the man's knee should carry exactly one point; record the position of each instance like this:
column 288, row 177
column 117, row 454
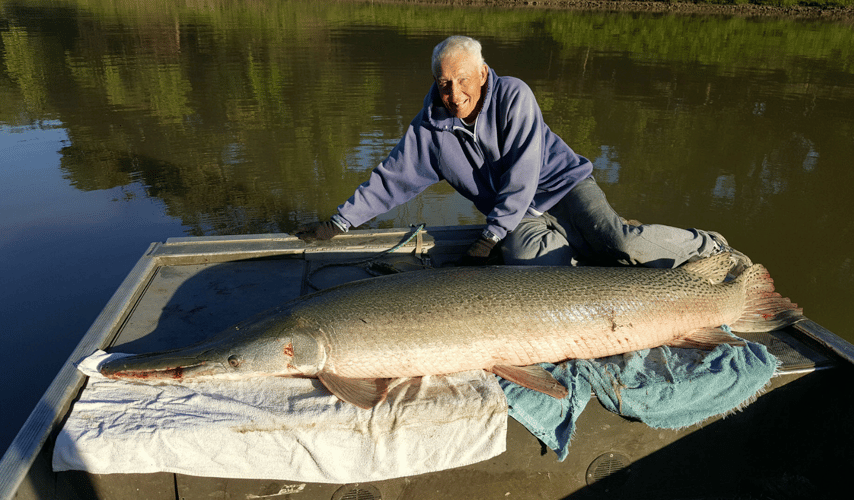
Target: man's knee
column 537, row 242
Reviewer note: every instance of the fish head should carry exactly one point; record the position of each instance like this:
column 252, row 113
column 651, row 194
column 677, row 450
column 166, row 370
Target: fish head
column 267, row 346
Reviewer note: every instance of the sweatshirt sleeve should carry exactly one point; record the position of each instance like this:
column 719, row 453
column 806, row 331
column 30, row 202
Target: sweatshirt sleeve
column 521, row 159
column 407, row 171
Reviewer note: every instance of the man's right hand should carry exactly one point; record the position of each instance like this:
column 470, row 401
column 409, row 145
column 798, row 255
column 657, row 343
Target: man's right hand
column 318, row 231
column 478, row 253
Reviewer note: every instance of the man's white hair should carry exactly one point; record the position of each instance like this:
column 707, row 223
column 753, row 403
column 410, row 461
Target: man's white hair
column 452, row 45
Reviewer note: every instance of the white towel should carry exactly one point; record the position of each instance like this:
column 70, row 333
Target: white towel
column 280, row 428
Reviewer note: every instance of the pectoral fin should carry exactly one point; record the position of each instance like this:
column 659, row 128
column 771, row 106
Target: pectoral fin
column 534, row 377
column 362, row 392
column 706, row 339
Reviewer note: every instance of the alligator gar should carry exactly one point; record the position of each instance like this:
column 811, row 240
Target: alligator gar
column 357, row 337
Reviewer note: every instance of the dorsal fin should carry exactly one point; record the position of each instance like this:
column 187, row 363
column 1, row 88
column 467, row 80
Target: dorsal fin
column 362, row 392
column 534, row 377
column 714, row 268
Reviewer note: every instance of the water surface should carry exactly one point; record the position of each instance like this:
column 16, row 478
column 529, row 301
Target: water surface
column 124, row 123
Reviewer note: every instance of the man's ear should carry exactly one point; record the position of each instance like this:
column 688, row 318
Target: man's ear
column 484, row 74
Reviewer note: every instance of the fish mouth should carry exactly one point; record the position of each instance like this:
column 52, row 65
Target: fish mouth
column 163, row 366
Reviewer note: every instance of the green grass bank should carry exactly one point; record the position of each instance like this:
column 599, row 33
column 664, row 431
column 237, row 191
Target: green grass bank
column 825, row 9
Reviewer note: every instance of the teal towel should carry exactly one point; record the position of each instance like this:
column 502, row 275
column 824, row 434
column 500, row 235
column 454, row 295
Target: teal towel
column 662, row 387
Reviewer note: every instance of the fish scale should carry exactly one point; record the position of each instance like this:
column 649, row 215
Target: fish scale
column 359, row 336
column 512, row 315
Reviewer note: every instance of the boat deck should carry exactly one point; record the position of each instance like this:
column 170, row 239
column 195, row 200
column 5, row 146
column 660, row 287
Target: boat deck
column 187, row 289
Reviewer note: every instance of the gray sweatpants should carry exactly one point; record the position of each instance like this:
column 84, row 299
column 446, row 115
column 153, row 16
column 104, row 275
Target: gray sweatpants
column 583, row 229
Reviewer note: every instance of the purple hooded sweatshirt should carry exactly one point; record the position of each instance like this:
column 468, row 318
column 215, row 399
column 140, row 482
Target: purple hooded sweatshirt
column 511, row 164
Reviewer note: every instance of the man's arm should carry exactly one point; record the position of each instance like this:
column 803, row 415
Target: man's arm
column 407, row 171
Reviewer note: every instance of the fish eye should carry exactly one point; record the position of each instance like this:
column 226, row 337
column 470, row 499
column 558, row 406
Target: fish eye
column 234, row 361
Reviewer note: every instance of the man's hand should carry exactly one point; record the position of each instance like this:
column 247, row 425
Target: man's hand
column 478, row 253
column 318, row 231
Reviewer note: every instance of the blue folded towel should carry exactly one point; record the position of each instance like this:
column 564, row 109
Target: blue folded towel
column 663, row 387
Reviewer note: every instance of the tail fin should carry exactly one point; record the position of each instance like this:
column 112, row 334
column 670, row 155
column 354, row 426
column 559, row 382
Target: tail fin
column 764, row 309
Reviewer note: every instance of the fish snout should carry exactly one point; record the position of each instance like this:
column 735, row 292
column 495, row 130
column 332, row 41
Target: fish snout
column 156, row 367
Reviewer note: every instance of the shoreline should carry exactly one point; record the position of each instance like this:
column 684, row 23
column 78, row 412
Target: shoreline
column 651, row 6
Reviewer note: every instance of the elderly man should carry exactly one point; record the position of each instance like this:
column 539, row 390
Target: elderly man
column 484, row 134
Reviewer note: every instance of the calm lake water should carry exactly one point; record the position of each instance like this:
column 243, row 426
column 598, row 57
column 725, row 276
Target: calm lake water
column 126, row 122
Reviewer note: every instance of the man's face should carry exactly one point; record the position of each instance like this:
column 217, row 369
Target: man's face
column 460, row 82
